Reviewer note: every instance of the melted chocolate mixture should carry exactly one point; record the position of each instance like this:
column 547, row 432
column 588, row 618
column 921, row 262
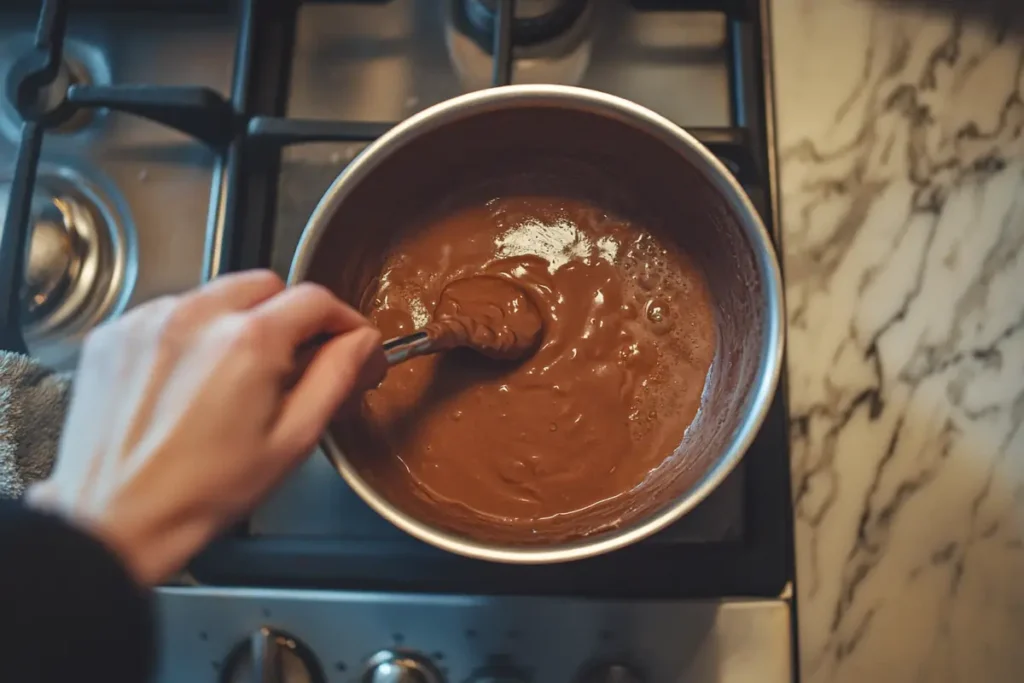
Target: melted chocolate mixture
column 559, row 444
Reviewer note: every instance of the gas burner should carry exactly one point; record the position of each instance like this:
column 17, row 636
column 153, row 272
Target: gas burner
column 547, row 56
column 76, row 264
column 534, row 21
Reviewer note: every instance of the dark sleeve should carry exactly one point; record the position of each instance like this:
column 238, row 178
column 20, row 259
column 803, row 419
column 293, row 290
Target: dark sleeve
column 70, row 610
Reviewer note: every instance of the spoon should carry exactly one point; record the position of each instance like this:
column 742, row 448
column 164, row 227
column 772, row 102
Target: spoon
column 418, row 343
column 486, row 313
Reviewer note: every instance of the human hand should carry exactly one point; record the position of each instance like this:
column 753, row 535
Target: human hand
column 186, row 411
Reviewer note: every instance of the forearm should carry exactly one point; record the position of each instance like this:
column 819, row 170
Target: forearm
column 72, row 610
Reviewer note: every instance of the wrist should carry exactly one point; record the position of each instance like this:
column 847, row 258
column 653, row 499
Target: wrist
column 153, row 547
column 133, row 538
column 131, row 541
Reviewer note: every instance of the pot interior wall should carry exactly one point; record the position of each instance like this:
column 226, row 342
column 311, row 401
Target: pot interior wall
column 540, row 148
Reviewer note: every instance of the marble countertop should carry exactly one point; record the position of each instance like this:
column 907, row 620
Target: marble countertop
column 902, row 170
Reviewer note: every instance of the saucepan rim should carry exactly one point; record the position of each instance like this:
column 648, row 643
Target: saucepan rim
column 628, row 113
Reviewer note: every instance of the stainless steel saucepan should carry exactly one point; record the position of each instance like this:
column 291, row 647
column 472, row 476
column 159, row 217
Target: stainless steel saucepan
column 652, row 164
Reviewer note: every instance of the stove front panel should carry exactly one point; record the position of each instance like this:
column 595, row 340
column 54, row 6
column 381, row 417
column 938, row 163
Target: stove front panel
column 475, row 640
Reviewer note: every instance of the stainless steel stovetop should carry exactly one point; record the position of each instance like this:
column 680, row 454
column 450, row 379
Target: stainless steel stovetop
column 179, row 140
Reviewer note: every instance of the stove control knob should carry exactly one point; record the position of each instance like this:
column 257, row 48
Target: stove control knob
column 270, row 656
column 610, row 673
column 400, row 666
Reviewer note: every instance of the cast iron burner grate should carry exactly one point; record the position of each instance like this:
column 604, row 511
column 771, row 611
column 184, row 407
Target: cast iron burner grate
column 248, row 130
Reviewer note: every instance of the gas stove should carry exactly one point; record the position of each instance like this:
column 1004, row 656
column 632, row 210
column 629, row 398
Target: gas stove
column 148, row 146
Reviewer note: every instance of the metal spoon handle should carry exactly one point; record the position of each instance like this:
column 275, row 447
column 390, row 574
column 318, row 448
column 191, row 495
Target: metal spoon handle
column 396, row 350
column 408, row 346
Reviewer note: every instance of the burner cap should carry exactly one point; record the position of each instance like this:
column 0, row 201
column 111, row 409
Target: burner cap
column 59, row 270
column 535, row 21
column 54, row 259
column 73, row 266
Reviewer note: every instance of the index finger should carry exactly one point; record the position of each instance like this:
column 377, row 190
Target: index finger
column 307, row 310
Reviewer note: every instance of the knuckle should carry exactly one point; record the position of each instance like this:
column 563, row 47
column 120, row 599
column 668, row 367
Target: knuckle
column 264, row 277
column 252, row 333
column 314, row 292
column 183, row 315
column 179, row 320
column 240, row 338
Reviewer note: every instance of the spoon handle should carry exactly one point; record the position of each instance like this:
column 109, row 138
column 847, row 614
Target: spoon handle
column 408, row 346
column 396, row 350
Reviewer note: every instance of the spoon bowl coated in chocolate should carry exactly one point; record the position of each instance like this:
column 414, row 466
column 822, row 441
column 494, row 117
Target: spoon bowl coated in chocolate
column 488, row 314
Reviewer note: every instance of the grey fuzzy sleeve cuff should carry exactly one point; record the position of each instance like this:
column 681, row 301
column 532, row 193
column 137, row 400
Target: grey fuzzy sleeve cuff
column 33, row 400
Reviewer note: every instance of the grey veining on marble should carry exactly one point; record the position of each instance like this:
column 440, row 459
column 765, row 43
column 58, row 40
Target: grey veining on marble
column 902, row 171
